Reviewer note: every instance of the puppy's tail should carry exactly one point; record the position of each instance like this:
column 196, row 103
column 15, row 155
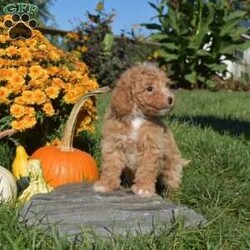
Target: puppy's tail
column 185, row 162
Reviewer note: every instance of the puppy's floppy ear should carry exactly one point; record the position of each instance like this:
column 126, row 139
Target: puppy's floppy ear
column 121, row 99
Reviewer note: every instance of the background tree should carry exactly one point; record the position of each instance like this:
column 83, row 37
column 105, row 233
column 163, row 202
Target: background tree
column 197, row 37
column 106, row 55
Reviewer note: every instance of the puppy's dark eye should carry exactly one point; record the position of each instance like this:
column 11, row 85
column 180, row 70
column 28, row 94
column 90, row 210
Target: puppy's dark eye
column 150, row 88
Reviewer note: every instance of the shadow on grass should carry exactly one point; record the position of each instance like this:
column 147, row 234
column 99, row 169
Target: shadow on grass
column 221, row 125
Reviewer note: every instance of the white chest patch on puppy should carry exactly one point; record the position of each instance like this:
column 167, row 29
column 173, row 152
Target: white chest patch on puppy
column 136, row 124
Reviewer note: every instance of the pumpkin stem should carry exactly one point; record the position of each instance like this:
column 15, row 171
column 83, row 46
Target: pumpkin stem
column 68, row 135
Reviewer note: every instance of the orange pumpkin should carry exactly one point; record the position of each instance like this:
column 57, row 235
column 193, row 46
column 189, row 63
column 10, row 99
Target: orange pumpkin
column 64, row 164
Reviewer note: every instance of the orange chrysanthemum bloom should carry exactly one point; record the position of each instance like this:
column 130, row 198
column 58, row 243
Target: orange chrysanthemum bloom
column 22, row 70
column 86, row 124
column 36, row 71
column 39, row 97
column 11, row 51
column 48, row 109
column 29, row 121
column 32, row 42
column 88, row 105
column 20, row 100
column 3, row 74
column 7, row 73
column 71, row 96
column 2, row 52
column 17, row 110
column 25, row 123
column 52, row 92
column 44, row 79
column 25, row 54
column 16, row 79
column 52, row 70
column 20, row 43
column 18, row 125
column 29, row 112
column 57, row 82
column 4, row 93
column 36, row 83
column 28, row 97
column 16, row 83
column 42, row 47
column 76, row 74
column 54, row 56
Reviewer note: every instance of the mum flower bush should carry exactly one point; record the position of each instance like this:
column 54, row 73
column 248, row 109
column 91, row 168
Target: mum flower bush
column 39, row 84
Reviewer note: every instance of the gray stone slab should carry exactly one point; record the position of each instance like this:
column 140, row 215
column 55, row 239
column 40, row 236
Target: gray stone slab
column 73, row 208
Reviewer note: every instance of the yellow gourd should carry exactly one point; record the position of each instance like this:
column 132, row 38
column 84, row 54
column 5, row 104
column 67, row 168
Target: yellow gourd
column 19, row 167
column 37, row 183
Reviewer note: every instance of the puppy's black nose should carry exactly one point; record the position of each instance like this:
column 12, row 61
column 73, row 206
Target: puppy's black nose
column 170, row 100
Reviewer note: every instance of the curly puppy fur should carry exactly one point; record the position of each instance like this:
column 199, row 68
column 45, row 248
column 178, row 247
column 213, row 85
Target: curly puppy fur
column 134, row 136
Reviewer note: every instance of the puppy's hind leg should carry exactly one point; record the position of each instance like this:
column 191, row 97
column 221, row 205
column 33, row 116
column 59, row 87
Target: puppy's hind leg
column 173, row 164
column 171, row 176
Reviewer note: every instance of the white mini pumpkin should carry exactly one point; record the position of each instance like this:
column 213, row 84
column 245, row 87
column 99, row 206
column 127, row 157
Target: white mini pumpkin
column 8, row 186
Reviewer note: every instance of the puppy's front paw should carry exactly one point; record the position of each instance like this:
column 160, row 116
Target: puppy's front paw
column 102, row 187
column 144, row 192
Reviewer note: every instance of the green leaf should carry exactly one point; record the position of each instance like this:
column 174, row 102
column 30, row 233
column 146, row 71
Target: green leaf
column 192, row 77
column 238, row 32
column 170, row 46
column 201, row 78
column 244, row 46
column 229, row 27
column 192, row 45
column 159, row 36
column 211, row 83
column 165, row 21
column 204, row 29
column 154, row 6
column 5, row 122
column 217, row 66
column 231, row 48
column 151, row 26
column 173, row 20
column 203, row 52
column 167, row 56
column 239, row 14
column 221, row 67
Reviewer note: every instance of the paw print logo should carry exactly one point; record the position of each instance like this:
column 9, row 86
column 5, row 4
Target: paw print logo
column 20, row 26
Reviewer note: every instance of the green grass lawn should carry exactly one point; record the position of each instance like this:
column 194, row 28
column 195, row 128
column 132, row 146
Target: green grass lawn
column 212, row 129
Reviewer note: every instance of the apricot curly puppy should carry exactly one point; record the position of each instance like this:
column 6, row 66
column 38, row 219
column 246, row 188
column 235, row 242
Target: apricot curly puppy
column 134, row 136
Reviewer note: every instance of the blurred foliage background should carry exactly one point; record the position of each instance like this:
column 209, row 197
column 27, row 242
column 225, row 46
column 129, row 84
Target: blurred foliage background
column 191, row 39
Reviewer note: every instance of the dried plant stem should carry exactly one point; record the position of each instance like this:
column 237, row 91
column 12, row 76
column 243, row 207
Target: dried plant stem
column 7, row 132
column 68, row 135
